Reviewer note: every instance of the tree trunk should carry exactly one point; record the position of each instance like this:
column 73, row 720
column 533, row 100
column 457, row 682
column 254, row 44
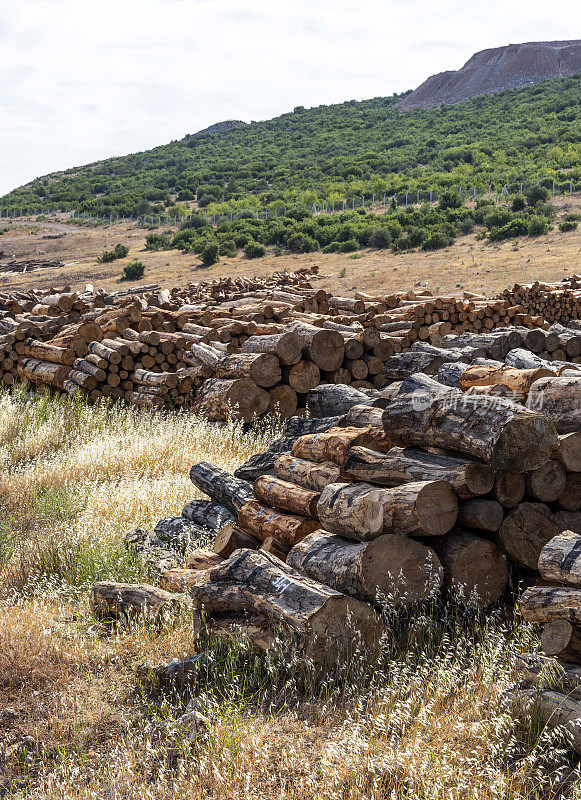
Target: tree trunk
column 509, row 488
column 485, row 515
column 286, row 496
column 285, row 346
column 363, row 512
column 262, row 368
column 392, row 570
column 112, row 600
column 502, row 434
column 257, row 592
column 542, row 604
column 558, row 398
column 324, row 347
column 401, row 465
column 262, row 521
column 560, row 559
column 218, row 399
column 306, row 474
column 221, row 486
column 44, row 372
column 562, row 640
column 45, row 351
column 475, row 570
column 208, row 514
column 230, row 538
column 331, row 399
column 334, row 444
column 525, row 531
column 547, row 483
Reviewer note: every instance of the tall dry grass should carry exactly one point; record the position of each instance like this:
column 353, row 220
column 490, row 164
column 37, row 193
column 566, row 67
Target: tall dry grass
column 422, row 720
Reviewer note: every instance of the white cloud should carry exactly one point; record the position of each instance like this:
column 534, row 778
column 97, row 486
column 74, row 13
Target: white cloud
column 83, row 80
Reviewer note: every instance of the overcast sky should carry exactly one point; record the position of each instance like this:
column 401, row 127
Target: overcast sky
column 81, row 80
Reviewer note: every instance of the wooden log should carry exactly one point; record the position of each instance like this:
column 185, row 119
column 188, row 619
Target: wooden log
column 563, row 677
column 306, row 473
column 256, row 592
column 286, row 496
column 334, row 444
column 303, row 376
column 230, row 538
column 475, row 569
column 325, row 347
column 218, row 399
column 262, row 368
column 257, row 465
column 525, row 531
column 501, row 434
column 517, row 380
column 113, row 600
column 485, row 515
column 391, row 570
column 221, row 486
column 560, row 559
column 401, row 365
column 262, row 521
column 401, row 465
column 547, row 483
column 562, row 640
column 542, row 604
column 363, row 512
column 147, row 378
column 559, row 399
column 299, row 426
column 282, row 401
column 568, row 451
column 331, row 400
column 278, row 549
column 43, row 372
column 557, row 709
column 570, row 497
column 45, row 351
column 208, row 514
column 509, row 488
column 285, row 346
column 568, row 521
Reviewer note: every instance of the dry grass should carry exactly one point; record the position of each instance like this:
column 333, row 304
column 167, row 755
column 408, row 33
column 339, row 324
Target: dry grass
column 421, row 721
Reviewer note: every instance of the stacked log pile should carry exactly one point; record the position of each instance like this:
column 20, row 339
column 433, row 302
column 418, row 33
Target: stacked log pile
column 556, row 302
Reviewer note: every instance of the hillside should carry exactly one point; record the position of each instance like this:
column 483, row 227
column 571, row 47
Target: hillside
column 332, row 152
column 496, row 70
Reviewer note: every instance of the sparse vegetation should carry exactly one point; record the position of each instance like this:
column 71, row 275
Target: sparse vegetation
column 133, row 271
column 119, row 251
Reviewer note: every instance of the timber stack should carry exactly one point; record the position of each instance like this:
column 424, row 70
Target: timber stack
column 556, row 302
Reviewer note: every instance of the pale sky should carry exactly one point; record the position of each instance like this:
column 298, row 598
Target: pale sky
column 82, row 80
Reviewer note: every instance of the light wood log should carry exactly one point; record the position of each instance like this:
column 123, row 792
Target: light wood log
column 525, row 531
column 568, row 451
column 547, row 483
column 45, row 351
column 113, row 600
column 262, row 368
column 392, row 570
column 43, row 372
column 517, row 380
column 218, row 399
column 560, row 559
column 285, row 346
column 562, row 640
column 542, row 604
column 560, row 399
column 278, row 549
column 303, row 376
column 230, row 538
column 325, row 347
column 282, row 401
column 262, row 521
column 305, row 473
column 286, row 496
column 334, row 444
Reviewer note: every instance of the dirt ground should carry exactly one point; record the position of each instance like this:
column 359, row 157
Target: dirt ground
column 468, row 264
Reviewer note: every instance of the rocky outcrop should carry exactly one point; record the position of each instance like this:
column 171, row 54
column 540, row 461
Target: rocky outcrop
column 496, row 70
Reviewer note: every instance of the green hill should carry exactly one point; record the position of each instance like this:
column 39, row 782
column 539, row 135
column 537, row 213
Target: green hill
column 332, row 152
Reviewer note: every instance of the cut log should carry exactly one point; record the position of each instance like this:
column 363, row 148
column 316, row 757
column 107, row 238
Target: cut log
column 305, row 473
column 401, row 465
column 475, row 569
column 256, row 466
column 43, row 372
column 208, row 514
column 286, row 496
column 230, row 538
column 502, row 433
column 285, row 346
column 547, row 483
column 332, row 400
column 525, row 531
column 282, row 401
column 363, row 512
column 299, row 426
column 570, row 497
column 401, row 365
column 45, row 351
column 334, row 444
column 509, row 488
column 262, row 521
column 278, row 549
column 563, row 640
column 303, row 376
column 560, row 559
column 219, row 399
column 221, row 486
column 257, row 592
column 568, row 451
column 262, row 368
column 568, row 521
column 392, row 570
column 560, row 399
column 517, row 380
column 325, row 347
column 113, row 600
column 542, row 604
column 485, row 515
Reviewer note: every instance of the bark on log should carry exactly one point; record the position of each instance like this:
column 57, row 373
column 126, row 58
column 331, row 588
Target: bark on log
column 560, row 399
column 230, row 538
column 502, row 434
column 560, row 559
column 256, row 466
column 547, row 483
column 401, row 365
column 305, row 473
column 525, row 531
column 332, row 400
column 363, row 512
column 262, row 521
column 568, row 451
column 509, row 488
column 218, row 399
column 300, row 426
column 568, row 521
column 285, row 346
column 324, row 347
column 256, row 591
column 562, row 640
column 112, row 600
column 475, row 569
column 285, row 496
column 542, row 604
column 221, row 486
column 43, row 372
column 208, row 514
column 517, row 380
column 262, row 368
column 401, row 465
column 570, row 497
column 334, row 444
column 45, row 351
column 394, row 570
column 485, row 515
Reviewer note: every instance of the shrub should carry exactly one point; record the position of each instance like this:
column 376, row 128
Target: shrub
column 466, row 225
column 209, row 254
column 302, row 243
column 133, row 271
column 380, row 239
column 537, row 225
column 254, row 250
column 535, row 194
column 158, row 241
column 119, row 251
column 516, row 227
column 449, row 200
column 498, row 217
column 195, row 221
column 436, row 239
column 332, row 247
column 518, row 203
column 349, row 246
column 567, row 225
column 228, row 248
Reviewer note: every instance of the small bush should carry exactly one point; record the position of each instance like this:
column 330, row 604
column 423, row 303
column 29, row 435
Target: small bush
column 497, row 217
column 349, row 246
column 254, row 250
column 209, row 254
column 535, row 194
column 568, row 225
column 380, row 239
column 134, row 271
column 537, row 225
column 436, row 240
column 449, row 200
column 158, row 241
column 301, row 243
column 228, row 248
column 518, row 203
column 119, row 251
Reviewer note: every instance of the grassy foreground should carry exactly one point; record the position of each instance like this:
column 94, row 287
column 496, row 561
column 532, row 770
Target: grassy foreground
column 423, row 721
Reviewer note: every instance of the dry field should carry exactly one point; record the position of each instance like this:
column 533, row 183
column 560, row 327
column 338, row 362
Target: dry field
column 424, row 720
column 469, row 263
